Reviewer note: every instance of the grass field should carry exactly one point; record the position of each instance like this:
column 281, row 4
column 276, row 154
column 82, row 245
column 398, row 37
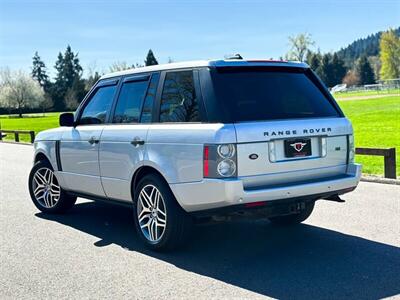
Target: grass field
column 36, row 122
column 376, row 123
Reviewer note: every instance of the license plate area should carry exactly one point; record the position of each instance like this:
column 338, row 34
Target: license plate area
column 297, row 148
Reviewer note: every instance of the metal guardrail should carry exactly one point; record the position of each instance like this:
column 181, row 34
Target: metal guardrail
column 17, row 133
column 389, row 158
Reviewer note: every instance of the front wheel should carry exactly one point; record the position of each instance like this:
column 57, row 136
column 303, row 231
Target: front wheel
column 160, row 222
column 45, row 191
column 294, row 218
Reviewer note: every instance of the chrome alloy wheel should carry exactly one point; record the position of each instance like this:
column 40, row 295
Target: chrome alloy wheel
column 151, row 213
column 46, row 188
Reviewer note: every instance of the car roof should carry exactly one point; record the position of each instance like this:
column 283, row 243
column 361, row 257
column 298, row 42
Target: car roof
column 208, row 63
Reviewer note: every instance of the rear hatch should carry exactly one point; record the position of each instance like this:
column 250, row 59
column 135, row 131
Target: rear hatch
column 288, row 127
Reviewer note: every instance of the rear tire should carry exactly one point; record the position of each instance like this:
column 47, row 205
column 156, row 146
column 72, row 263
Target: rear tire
column 294, row 219
column 159, row 220
column 45, row 192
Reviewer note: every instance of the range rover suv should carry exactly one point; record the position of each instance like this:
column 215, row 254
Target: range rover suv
column 188, row 141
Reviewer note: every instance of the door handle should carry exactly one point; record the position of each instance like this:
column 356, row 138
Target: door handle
column 93, row 140
column 137, row 142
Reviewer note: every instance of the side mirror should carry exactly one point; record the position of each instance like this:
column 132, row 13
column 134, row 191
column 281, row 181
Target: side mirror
column 67, row 119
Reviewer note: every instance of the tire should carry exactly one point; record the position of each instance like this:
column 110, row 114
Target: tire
column 294, row 219
column 159, row 220
column 45, row 192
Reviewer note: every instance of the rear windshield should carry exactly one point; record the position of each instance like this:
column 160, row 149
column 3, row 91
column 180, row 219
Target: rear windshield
column 262, row 94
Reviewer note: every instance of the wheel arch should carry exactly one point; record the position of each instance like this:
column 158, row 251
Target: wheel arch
column 40, row 156
column 142, row 172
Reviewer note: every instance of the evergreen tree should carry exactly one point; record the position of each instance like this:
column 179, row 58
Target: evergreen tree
column 325, row 70
column 338, row 70
column 314, row 60
column 69, row 73
column 150, row 59
column 364, row 71
column 39, row 72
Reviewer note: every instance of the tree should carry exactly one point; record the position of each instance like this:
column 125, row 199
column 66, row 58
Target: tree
column 69, row 72
column 46, row 103
column 338, row 70
column 325, row 70
column 39, row 71
column 330, row 68
column 300, row 45
column 351, row 78
column 364, row 71
column 93, row 76
column 19, row 91
column 119, row 66
column 150, row 59
column 390, row 55
column 71, row 100
column 314, row 60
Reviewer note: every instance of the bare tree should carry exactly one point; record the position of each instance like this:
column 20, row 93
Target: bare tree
column 71, row 100
column 120, row 66
column 19, row 91
column 299, row 46
column 46, row 103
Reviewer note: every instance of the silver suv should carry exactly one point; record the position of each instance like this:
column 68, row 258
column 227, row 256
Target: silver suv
column 199, row 140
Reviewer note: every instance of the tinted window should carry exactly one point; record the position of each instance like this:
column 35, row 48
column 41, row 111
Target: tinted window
column 149, row 101
column 129, row 102
column 178, row 100
column 95, row 112
column 266, row 95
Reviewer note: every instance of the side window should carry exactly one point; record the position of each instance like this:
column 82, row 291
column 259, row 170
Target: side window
column 95, row 112
column 147, row 115
column 178, row 100
column 130, row 101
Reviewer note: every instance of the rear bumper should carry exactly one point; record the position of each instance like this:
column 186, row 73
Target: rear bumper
column 215, row 193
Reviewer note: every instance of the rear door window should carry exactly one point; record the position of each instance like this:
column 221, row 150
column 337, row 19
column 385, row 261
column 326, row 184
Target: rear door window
column 178, row 100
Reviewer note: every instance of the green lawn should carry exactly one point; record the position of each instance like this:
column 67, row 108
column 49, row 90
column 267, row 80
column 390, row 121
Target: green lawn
column 376, row 124
column 36, row 122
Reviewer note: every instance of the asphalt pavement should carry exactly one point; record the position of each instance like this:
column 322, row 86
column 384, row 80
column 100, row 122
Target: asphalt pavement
column 343, row 251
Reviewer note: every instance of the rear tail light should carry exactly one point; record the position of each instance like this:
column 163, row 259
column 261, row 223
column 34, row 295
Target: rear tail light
column 351, row 149
column 220, row 161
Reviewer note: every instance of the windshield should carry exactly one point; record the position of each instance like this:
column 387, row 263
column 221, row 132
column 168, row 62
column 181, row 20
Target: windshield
column 259, row 94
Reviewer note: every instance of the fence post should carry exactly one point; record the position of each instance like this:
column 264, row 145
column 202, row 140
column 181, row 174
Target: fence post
column 32, row 134
column 16, row 134
column 390, row 163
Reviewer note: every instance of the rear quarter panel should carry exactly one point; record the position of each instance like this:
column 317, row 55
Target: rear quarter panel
column 176, row 150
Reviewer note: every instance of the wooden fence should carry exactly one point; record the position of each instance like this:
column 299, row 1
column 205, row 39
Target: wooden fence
column 389, row 158
column 17, row 133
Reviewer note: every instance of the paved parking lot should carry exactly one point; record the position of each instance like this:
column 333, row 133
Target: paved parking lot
column 348, row 250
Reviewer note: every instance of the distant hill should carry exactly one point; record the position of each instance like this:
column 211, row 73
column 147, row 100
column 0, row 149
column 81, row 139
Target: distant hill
column 368, row 46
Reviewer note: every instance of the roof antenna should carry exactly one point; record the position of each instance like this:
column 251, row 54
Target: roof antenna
column 235, row 56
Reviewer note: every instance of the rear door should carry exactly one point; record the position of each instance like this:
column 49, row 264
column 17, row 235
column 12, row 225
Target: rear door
column 123, row 141
column 286, row 119
column 79, row 146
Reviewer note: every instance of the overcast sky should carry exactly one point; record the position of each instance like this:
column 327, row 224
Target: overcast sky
column 107, row 31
